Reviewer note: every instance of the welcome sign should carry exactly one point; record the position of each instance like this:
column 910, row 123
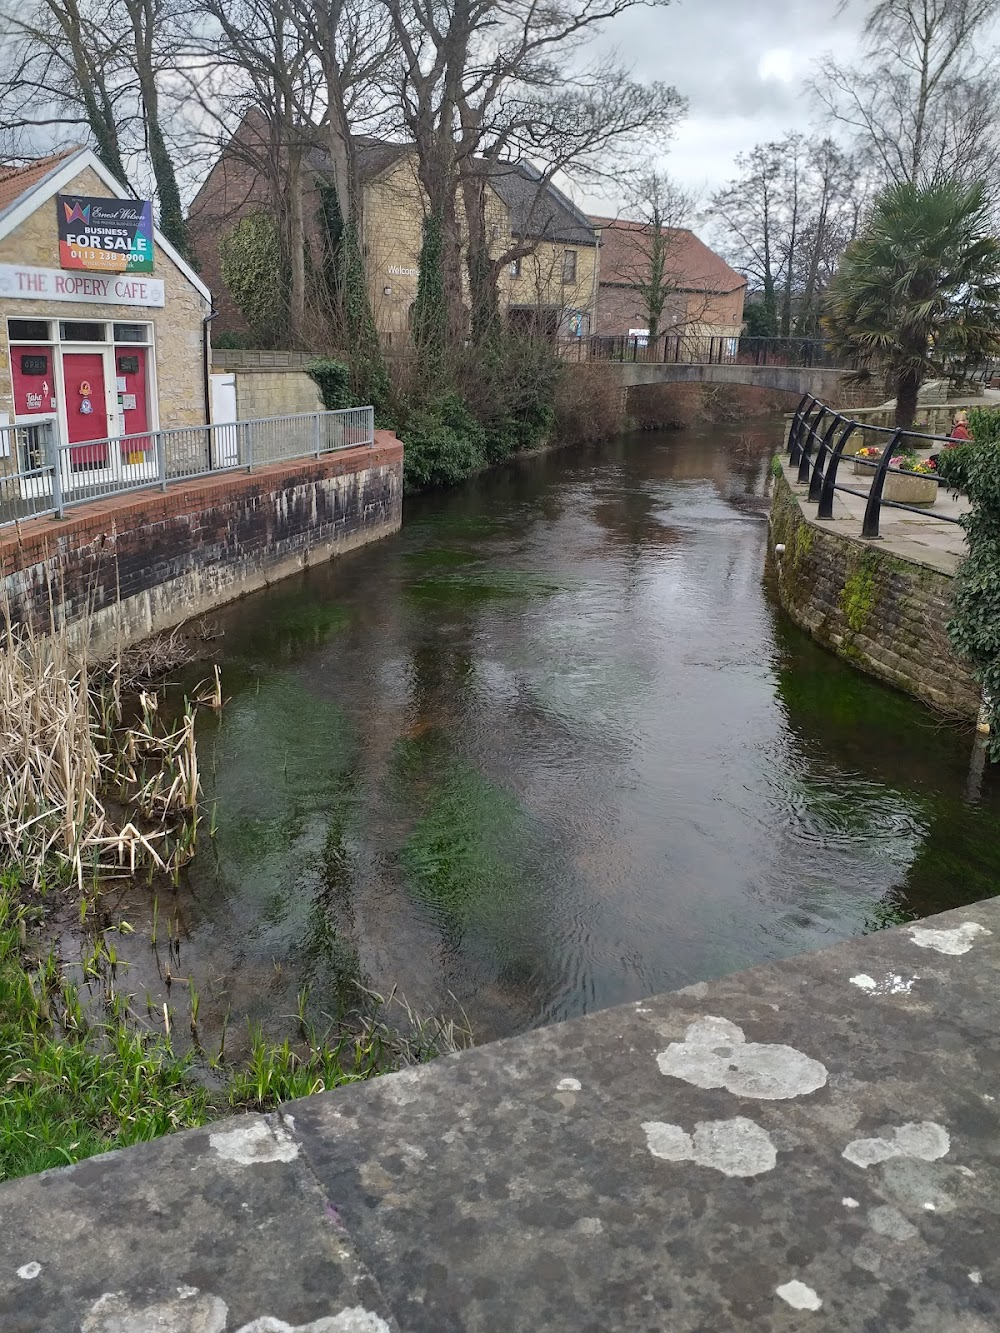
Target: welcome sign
column 105, row 235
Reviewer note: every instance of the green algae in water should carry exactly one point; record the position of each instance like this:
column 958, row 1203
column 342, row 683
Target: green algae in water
column 468, row 857
column 472, row 589
column 440, row 557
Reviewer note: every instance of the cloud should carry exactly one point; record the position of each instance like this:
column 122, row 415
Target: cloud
column 747, row 71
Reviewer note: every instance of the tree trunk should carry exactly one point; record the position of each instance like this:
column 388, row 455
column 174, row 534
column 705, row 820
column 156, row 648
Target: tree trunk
column 907, row 388
column 483, row 294
column 296, row 250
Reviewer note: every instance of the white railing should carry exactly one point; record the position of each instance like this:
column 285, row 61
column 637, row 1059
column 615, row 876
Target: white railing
column 39, row 476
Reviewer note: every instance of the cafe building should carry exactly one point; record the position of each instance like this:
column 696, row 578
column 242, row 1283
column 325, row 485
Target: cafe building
column 104, row 327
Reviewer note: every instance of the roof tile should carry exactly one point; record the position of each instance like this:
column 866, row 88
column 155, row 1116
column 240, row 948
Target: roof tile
column 693, row 266
column 15, row 180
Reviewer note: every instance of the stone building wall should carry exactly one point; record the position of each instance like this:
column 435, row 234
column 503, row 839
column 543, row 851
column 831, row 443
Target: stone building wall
column 178, row 328
column 275, row 393
column 136, row 564
column 885, row 615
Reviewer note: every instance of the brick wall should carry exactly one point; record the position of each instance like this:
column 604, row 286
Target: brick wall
column 885, row 615
column 620, row 308
column 178, row 326
column 142, row 563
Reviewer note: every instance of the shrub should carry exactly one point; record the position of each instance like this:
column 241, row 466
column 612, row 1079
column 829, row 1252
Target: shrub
column 975, row 627
column 589, row 405
column 953, row 466
column 444, row 444
column 334, row 381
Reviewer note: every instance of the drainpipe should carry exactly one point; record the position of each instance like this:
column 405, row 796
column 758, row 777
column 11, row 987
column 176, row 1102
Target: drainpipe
column 206, row 365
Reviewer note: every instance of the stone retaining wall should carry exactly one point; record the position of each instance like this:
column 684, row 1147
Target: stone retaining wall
column 143, row 562
column 886, row 615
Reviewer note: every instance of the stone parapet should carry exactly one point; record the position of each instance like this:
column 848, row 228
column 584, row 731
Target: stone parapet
column 809, row 1145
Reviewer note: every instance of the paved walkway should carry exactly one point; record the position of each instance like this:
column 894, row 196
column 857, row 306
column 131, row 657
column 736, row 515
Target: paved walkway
column 811, row 1145
column 921, row 537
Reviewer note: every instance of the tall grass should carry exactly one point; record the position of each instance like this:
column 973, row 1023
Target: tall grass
column 91, row 783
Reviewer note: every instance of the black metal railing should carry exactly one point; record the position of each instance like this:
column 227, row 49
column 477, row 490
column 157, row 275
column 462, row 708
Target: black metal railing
column 699, row 349
column 816, row 442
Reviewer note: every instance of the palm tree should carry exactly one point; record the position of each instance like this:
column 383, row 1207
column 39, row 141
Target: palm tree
column 919, row 290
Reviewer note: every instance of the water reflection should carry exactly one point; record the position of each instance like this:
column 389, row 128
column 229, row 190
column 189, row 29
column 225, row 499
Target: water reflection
column 553, row 747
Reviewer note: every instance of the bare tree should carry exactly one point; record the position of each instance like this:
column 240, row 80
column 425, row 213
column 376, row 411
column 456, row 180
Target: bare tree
column 486, row 82
column 921, row 100
column 74, row 70
column 785, row 220
column 652, row 263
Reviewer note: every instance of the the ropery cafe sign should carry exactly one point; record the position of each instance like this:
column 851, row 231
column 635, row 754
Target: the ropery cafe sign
column 52, row 284
column 105, row 235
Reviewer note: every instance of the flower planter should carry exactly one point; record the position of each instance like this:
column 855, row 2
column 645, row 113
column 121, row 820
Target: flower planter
column 904, row 488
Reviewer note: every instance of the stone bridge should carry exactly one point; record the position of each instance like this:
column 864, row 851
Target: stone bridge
column 823, row 382
column 809, row 1147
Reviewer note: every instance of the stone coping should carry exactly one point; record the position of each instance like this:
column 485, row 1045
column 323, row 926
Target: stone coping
column 809, row 1145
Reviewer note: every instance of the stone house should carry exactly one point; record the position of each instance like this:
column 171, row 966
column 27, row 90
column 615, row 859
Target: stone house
column 95, row 343
column 552, row 288
column 704, row 297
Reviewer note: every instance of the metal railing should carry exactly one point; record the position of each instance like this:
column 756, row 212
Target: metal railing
column 698, row 349
column 45, row 477
column 816, row 442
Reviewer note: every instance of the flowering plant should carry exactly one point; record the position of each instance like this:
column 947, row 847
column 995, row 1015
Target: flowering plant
column 869, row 451
column 909, row 462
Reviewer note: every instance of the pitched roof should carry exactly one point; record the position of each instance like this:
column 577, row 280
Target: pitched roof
column 373, row 156
column 26, row 188
column 15, row 180
column 693, row 266
column 539, row 213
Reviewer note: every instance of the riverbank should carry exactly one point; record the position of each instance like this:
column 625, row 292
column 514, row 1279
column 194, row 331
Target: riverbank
column 882, row 606
column 549, row 748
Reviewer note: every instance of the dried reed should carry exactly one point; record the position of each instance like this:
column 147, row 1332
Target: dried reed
column 90, row 785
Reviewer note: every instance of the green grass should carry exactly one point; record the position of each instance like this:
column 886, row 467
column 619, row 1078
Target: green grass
column 70, row 1088
column 73, row 1085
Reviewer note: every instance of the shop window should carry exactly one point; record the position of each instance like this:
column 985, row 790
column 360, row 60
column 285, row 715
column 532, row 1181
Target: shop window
column 131, row 333
column 76, row 331
column 569, row 266
column 28, row 330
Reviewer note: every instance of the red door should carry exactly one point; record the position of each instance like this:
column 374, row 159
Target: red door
column 34, row 378
column 86, row 406
column 130, row 372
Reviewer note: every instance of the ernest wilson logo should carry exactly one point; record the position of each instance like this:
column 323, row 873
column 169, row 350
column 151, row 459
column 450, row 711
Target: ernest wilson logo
column 77, row 213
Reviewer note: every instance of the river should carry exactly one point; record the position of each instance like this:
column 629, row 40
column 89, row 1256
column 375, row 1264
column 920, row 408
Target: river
column 551, row 748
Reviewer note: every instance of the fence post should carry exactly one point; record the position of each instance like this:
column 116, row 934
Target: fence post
column 370, row 426
column 161, row 459
column 317, row 436
column 816, row 481
column 869, row 528
column 830, row 480
column 248, row 437
column 806, row 443
column 52, row 450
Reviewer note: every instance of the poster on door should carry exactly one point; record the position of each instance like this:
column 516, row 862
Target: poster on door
column 105, row 235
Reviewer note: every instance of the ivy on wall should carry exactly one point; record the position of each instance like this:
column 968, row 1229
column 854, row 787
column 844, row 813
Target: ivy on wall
column 975, row 626
column 430, row 309
column 253, row 270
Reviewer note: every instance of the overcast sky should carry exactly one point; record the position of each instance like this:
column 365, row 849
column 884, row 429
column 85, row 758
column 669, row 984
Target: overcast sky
column 745, row 67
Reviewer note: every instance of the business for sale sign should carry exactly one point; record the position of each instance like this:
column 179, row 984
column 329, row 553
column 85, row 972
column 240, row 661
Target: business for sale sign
column 105, row 235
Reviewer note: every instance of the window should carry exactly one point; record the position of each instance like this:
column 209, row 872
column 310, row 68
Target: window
column 28, row 330
column 131, row 333
column 515, row 268
column 78, row 332
column 569, row 266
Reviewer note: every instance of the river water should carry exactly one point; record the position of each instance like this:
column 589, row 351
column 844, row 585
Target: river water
column 554, row 747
